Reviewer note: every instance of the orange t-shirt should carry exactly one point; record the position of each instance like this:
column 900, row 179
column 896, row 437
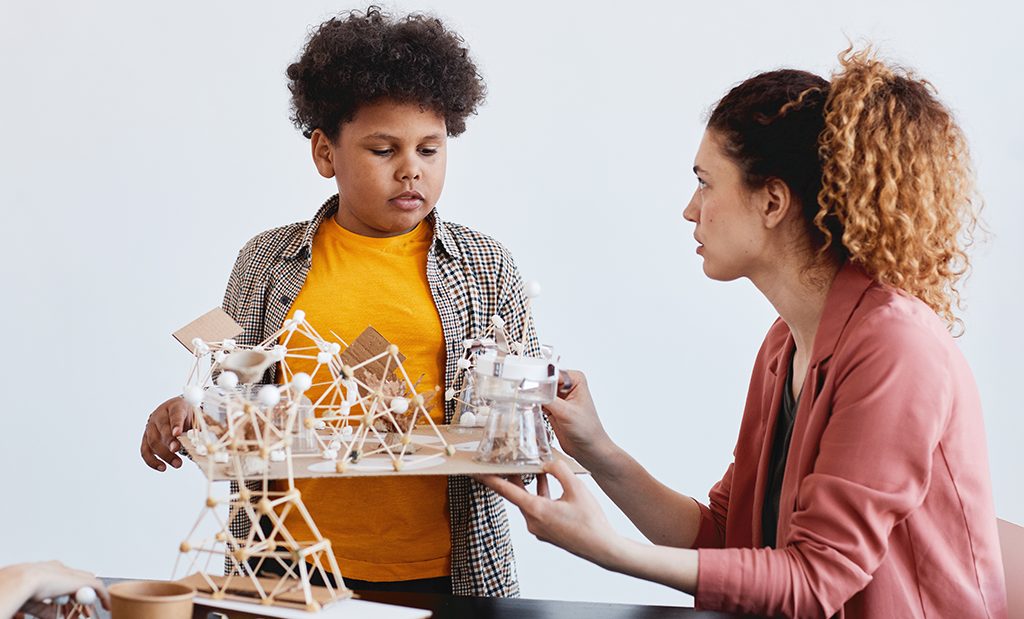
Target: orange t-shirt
column 381, row 528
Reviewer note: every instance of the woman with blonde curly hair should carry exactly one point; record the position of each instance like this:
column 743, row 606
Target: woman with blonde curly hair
column 859, row 485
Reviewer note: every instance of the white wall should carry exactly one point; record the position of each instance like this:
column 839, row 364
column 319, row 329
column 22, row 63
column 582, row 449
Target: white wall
column 143, row 143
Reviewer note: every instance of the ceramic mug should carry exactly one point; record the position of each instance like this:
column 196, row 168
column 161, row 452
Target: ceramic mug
column 144, row 599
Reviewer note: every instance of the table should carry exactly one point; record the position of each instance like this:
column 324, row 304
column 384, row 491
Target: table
column 452, row 607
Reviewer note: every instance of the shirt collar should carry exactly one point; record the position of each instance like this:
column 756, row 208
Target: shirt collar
column 302, row 246
column 844, row 296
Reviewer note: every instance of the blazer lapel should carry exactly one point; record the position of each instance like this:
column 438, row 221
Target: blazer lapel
column 845, row 294
column 774, row 384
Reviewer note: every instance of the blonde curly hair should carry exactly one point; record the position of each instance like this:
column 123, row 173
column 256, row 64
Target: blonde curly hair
column 897, row 181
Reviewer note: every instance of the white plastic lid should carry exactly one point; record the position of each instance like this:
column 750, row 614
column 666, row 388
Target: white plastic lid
column 515, row 367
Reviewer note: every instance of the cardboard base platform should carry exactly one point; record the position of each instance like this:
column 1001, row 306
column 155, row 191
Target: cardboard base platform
column 425, row 460
column 241, row 593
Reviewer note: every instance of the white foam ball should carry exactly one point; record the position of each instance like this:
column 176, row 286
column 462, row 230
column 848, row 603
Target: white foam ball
column 229, row 344
column 532, row 289
column 467, row 344
column 467, row 419
column 320, row 424
column 221, row 457
column 346, row 431
column 86, row 596
column 463, row 363
column 227, row 380
column 323, row 357
column 219, row 356
column 268, row 395
column 198, row 342
column 299, row 315
column 329, row 454
column 335, row 348
column 301, row 382
column 449, row 394
column 277, row 455
column 497, row 321
column 193, row 394
column 399, row 405
column 335, row 445
column 279, row 352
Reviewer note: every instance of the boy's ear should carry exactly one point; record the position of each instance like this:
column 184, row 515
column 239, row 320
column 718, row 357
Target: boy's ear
column 777, row 202
column 323, row 153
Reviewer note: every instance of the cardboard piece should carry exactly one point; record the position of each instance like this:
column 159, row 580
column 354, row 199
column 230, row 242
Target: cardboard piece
column 213, row 326
column 462, row 463
column 370, row 343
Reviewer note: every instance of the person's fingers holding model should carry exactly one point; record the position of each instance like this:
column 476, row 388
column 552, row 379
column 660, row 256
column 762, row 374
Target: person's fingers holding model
column 160, row 440
column 575, row 422
column 574, row 522
column 36, row 588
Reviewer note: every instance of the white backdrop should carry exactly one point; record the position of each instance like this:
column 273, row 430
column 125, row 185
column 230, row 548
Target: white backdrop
column 142, row 143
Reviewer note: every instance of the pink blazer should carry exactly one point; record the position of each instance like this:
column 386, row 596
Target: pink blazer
column 886, row 505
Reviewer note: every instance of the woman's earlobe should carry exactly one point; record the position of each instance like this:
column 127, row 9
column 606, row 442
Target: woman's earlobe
column 777, row 204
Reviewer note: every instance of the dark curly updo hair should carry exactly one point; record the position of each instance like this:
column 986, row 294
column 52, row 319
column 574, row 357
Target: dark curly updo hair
column 358, row 57
column 770, row 126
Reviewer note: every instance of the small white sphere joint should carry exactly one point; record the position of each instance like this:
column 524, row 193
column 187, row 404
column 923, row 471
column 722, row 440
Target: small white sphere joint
column 269, row 395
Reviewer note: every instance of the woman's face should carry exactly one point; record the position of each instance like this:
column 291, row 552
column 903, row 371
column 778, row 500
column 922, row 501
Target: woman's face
column 389, row 163
column 729, row 230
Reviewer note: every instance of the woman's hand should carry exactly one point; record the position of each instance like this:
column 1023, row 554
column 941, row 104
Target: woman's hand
column 574, row 522
column 574, row 419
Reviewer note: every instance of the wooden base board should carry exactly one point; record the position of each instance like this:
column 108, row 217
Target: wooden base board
column 241, row 589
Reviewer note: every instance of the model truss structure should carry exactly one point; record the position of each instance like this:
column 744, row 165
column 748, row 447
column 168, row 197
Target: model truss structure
column 473, row 411
column 81, row 604
column 367, row 408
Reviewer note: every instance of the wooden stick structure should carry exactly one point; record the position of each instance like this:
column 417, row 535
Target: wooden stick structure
column 81, row 604
column 368, row 406
column 471, row 409
column 244, row 426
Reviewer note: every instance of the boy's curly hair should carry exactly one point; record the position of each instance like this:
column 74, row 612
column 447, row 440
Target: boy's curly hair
column 360, row 57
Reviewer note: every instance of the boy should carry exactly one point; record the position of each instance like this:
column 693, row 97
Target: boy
column 378, row 97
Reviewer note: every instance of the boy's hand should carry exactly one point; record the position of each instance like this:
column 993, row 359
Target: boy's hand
column 160, row 440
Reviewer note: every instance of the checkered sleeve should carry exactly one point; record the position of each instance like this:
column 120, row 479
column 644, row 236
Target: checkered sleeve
column 239, row 304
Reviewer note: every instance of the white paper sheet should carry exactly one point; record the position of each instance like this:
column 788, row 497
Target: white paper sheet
column 348, row 609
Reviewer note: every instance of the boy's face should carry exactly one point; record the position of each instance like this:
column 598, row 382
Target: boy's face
column 389, row 162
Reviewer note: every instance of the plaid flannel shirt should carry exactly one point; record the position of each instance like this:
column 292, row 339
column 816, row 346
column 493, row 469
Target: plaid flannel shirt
column 471, row 277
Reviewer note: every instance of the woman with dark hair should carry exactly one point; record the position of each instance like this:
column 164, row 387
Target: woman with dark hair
column 859, row 485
